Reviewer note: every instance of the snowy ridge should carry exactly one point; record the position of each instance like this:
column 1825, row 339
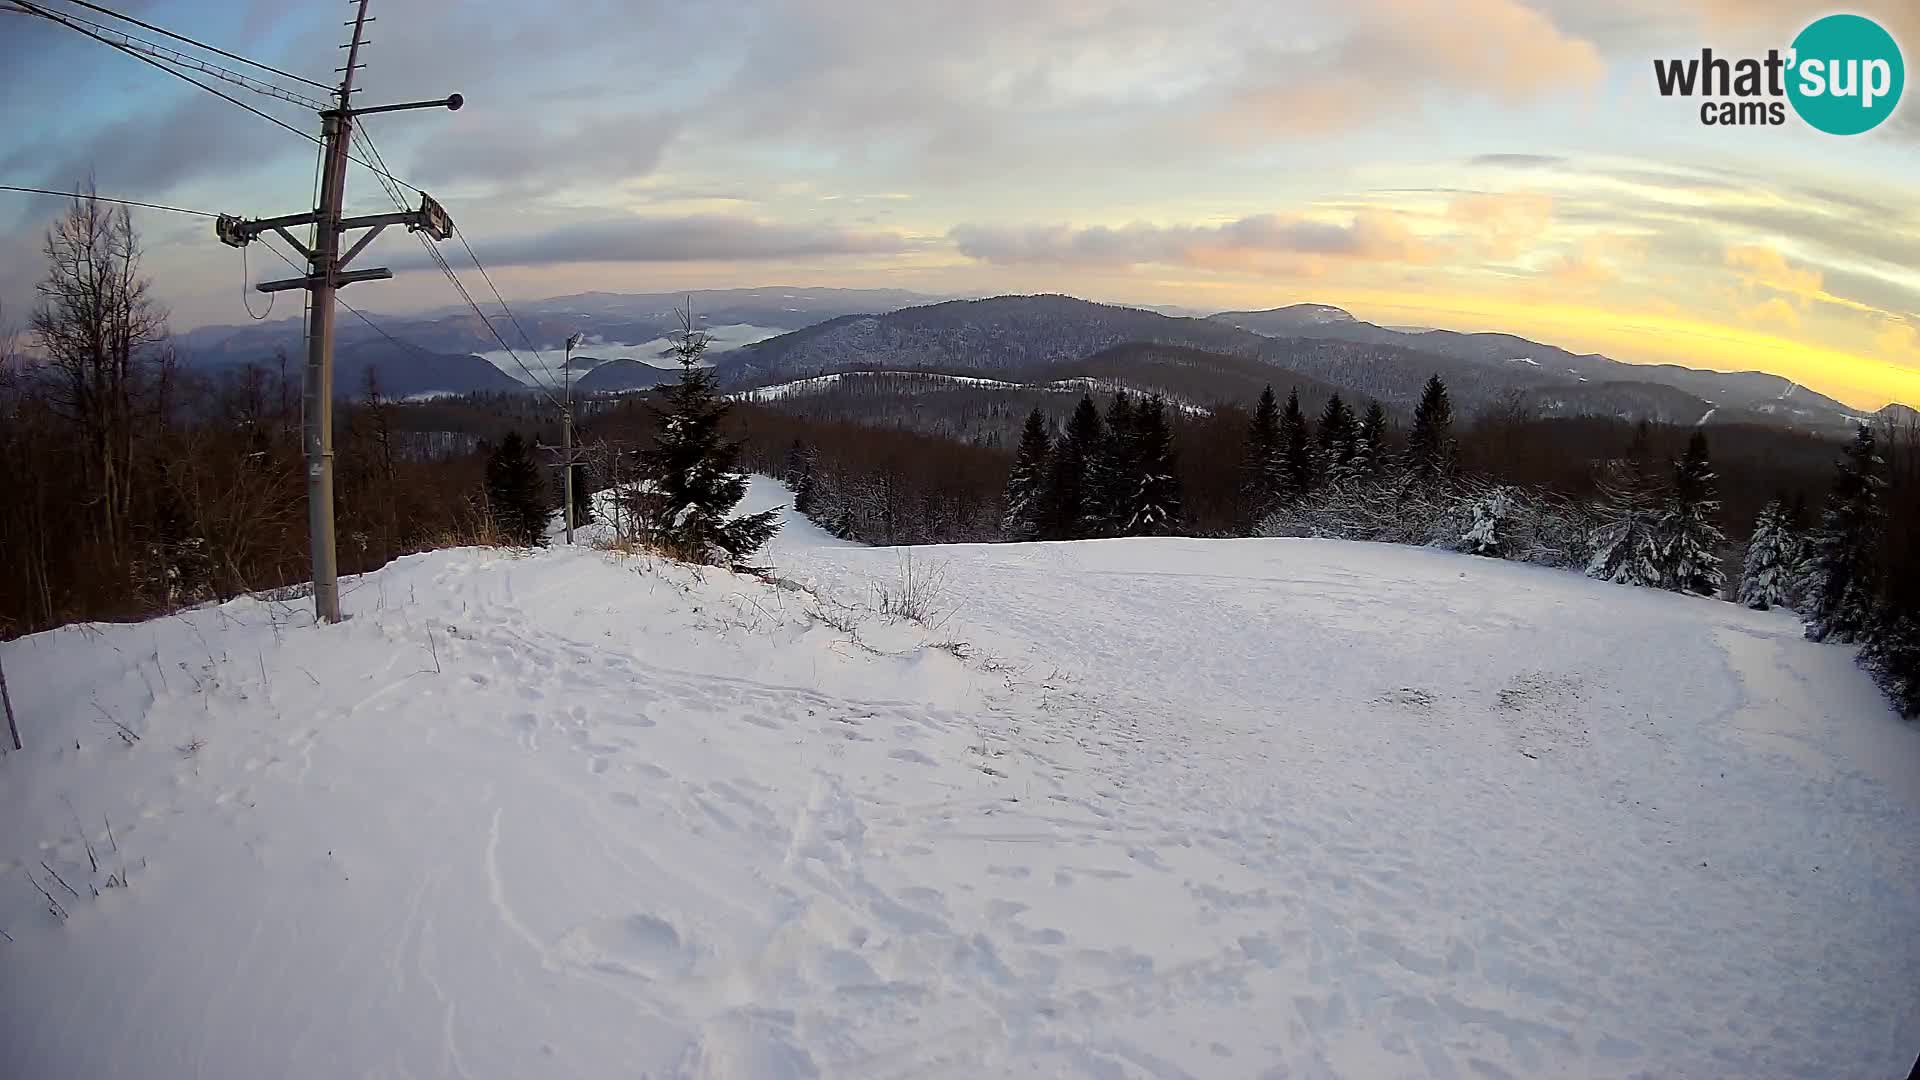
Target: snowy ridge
column 1120, row 808
column 1081, row 385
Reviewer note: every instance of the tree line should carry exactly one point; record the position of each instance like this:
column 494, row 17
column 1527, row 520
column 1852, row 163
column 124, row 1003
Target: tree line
column 1853, row 574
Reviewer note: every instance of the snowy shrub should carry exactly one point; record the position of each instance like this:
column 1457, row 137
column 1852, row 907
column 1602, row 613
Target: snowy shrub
column 1492, row 523
column 1396, row 511
column 918, row 594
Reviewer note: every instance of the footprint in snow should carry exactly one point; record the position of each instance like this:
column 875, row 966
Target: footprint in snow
column 635, row 946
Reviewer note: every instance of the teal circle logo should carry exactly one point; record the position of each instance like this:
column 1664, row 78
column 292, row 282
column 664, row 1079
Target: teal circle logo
column 1847, row 74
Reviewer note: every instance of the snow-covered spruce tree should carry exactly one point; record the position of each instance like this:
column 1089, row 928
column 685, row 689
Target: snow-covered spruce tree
column 1260, row 484
column 1766, row 574
column 1027, row 482
column 1296, row 452
column 1627, row 543
column 1370, row 444
column 1152, row 507
column 1892, row 651
column 1114, row 471
column 1431, row 449
column 1689, row 529
column 1068, row 493
column 1490, row 534
column 1338, row 437
column 515, row 494
column 1840, row 604
column 1800, row 561
column 689, row 479
column 801, row 464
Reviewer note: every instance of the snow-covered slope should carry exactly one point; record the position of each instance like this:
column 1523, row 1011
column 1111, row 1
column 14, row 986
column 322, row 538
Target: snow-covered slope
column 1125, row 808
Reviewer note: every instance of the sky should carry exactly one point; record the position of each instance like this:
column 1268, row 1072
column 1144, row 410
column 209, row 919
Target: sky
column 1468, row 164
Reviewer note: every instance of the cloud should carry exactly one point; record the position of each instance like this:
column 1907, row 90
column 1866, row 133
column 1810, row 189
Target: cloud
column 151, row 152
column 1775, row 311
column 1900, row 17
column 1763, row 267
column 1503, row 225
column 1898, row 340
column 1409, row 55
column 1518, row 161
column 1371, row 235
column 688, row 238
column 1582, row 268
column 504, row 150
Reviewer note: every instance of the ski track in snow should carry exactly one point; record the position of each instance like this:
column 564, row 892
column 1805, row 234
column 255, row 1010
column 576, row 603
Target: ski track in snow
column 1177, row 808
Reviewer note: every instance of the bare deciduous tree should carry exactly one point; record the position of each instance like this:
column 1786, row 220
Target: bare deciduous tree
column 101, row 341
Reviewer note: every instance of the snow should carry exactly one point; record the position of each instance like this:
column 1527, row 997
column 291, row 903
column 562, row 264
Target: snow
column 1706, row 416
column 1524, row 360
column 1156, row 807
column 1079, row 385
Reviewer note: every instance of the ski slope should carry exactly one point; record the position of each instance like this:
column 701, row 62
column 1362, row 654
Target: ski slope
column 1141, row 808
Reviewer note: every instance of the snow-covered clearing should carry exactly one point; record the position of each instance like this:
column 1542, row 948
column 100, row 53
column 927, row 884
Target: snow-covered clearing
column 1138, row 808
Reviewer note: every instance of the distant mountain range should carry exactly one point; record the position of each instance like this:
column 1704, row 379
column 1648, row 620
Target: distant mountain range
column 1746, row 395
column 1011, row 337
column 451, row 351
column 1027, row 340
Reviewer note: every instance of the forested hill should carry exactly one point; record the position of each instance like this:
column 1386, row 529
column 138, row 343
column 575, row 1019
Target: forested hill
column 1002, row 335
column 1042, row 338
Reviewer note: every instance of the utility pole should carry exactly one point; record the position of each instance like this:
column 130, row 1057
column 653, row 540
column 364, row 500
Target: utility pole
column 566, row 427
column 326, row 274
column 566, row 457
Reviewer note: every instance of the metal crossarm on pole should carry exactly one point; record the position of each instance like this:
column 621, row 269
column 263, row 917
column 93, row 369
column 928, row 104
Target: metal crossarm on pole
column 327, row 273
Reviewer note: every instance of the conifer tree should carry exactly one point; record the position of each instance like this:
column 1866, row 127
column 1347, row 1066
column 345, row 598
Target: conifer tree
column 1489, row 535
column 1339, row 436
column 1068, row 490
column 1260, row 483
column 582, row 495
column 1799, row 552
column 1370, row 445
column 1027, row 482
column 802, row 461
column 1152, row 506
column 1689, row 530
column 1766, row 574
column 1296, row 452
column 1627, row 547
column 690, row 480
column 1114, row 471
column 1430, row 444
column 515, row 494
column 1892, row 652
column 1842, row 594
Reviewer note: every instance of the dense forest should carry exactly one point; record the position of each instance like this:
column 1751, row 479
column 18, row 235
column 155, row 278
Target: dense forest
column 130, row 484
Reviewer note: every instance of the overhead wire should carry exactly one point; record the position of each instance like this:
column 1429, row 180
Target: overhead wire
column 198, row 44
column 440, row 260
column 246, row 278
column 164, row 52
column 356, row 312
column 171, row 61
column 67, row 21
column 108, row 199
